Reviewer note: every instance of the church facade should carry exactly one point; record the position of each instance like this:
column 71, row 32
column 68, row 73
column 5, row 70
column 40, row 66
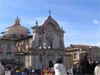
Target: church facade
column 45, row 46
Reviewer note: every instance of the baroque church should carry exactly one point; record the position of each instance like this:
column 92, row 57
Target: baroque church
column 42, row 48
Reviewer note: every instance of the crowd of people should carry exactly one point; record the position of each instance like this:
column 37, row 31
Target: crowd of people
column 84, row 67
column 8, row 71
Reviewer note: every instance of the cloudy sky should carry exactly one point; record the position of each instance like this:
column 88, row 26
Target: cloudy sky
column 80, row 19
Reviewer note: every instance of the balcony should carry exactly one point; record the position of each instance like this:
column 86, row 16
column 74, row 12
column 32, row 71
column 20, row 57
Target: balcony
column 6, row 61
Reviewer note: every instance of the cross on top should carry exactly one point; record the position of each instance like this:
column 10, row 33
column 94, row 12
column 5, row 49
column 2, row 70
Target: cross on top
column 49, row 12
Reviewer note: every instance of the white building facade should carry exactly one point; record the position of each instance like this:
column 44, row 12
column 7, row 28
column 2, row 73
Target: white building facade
column 47, row 45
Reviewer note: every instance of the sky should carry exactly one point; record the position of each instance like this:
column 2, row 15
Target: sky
column 80, row 19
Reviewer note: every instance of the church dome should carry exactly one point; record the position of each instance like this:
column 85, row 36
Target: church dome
column 17, row 28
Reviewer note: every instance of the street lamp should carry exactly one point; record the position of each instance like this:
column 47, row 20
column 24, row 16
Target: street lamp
column 90, row 53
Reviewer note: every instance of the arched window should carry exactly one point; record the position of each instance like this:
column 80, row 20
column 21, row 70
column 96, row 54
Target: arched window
column 49, row 45
column 8, row 46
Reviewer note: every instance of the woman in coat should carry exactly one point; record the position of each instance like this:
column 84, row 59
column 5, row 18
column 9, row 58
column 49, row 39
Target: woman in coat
column 97, row 69
column 59, row 68
column 7, row 72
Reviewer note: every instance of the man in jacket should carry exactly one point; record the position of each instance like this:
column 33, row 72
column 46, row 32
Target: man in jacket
column 86, row 67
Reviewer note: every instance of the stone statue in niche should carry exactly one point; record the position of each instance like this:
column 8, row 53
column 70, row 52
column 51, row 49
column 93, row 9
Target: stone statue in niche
column 40, row 42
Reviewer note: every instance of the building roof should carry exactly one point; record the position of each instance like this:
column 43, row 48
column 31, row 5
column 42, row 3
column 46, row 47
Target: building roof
column 17, row 28
column 28, row 37
column 77, row 46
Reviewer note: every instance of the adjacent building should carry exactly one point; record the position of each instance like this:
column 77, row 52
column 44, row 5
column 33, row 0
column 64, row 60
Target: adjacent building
column 78, row 51
column 8, row 43
column 7, row 53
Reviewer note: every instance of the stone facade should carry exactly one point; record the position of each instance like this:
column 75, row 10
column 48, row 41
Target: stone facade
column 8, row 44
column 47, row 45
column 7, row 54
column 78, row 51
column 22, row 48
column 43, row 48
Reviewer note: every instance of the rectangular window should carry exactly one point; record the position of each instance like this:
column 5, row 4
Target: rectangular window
column 74, row 56
column 8, row 46
column 8, row 56
column 0, row 55
column 49, row 44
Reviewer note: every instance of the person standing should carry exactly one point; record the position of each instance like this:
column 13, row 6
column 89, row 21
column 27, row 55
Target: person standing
column 84, row 64
column 59, row 68
column 97, row 69
column 17, row 71
column 45, row 71
column 7, row 72
column 2, row 70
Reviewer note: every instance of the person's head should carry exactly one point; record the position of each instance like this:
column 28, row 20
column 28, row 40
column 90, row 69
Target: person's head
column 42, row 66
column 18, row 68
column 98, row 63
column 59, row 60
column 7, row 68
column 90, row 62
column 86, row 56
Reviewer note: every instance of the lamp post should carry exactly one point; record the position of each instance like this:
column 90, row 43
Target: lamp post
column 90, row 53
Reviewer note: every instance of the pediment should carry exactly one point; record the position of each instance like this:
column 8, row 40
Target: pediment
column 51, row 25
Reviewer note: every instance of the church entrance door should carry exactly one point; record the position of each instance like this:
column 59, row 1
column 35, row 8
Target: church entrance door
column 51, row 63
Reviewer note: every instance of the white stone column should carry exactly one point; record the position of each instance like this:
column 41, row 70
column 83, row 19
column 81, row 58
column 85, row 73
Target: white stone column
column 37, row 62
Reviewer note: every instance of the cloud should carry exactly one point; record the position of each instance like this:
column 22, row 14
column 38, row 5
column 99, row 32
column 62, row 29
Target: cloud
column 96, row 22
column 97, row 44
